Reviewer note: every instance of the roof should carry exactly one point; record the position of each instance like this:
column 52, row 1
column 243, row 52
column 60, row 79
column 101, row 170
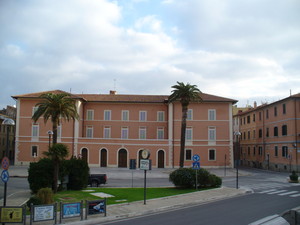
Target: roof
column 125, row 98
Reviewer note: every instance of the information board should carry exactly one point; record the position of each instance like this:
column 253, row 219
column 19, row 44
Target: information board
column 43, row 212
column 71, row 210
column 11, row 214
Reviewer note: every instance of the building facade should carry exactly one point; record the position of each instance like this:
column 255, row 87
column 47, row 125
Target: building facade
column 269, row 135
column 113, row 128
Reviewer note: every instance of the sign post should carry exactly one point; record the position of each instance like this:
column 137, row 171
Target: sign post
column 196, row 166
column 145, row 164
column 5, row 176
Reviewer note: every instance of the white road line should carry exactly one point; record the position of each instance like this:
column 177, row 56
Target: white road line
column 276, row 192
column 263, row 192
column 296, row 195
column 288, row 193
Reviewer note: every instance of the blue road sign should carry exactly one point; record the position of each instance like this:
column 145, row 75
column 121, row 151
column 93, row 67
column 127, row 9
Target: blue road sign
column 4, row 176
column 196, row 158
column 196, row 165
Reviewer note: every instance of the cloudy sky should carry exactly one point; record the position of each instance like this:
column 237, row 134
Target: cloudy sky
column 247, row 50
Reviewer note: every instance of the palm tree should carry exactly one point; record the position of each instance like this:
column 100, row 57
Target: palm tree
column 55, row 107
column 57, row 152
column 185, row 93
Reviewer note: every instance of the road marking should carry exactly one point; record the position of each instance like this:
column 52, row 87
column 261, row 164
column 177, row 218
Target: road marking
column 296, row 195
column 276, row 192
column 263, row 192
column 288, row 193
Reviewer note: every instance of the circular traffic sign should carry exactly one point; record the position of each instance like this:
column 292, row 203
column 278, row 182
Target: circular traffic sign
column 5, row 163
column 196, row 158
column 5, row 176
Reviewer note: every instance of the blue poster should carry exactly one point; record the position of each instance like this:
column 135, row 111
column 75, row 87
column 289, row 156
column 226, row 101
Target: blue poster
column 71, row 209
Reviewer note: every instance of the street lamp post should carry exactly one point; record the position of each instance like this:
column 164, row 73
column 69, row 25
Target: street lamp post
column 50, row 133
column 8, row 122
column 237, row 134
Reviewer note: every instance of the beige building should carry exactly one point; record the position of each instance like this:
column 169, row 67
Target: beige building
column 114, row 128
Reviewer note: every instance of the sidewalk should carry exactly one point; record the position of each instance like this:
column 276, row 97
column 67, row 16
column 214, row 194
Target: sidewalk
column 138, row 208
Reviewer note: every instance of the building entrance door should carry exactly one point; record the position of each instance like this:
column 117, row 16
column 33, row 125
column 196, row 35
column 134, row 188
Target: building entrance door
column 122, row 163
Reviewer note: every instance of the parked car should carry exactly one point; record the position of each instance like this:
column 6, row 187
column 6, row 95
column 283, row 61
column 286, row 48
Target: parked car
column 96, row 179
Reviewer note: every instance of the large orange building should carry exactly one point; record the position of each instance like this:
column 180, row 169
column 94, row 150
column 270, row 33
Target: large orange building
column 113, row 128
column 270, row 135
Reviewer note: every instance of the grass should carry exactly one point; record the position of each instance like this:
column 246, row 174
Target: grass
column 120, row 194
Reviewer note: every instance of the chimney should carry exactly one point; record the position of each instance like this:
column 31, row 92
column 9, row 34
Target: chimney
column 255, row 104
column 112, row 92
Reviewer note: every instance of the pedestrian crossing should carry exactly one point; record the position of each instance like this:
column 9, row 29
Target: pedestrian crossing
column 279, row 189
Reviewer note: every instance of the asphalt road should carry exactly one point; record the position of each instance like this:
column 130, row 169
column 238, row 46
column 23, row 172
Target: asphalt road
column 238, row 210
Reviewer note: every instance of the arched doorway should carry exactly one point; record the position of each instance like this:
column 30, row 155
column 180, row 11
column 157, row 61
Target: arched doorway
column 103, row 160
column 161, row 159
column 84, row 154
column 122, row 158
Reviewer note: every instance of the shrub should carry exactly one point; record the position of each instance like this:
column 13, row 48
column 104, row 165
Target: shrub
column 34, row 200
column 294, row 177
column 183, row 177
column 40, row 174
column 45, row 195
column 78, row 172
column 214, row 181
column 203, row 177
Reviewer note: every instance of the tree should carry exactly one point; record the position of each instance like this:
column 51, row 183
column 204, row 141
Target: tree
column 185, row 93
column 57, row 153
column 54, row 107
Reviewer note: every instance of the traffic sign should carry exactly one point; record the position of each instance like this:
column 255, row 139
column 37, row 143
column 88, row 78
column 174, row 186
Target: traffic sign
column 5, row 163
column 5, row 176
column 196, row 158
column 196, row 165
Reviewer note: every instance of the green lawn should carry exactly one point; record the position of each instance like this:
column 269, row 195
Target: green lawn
column 120, row 194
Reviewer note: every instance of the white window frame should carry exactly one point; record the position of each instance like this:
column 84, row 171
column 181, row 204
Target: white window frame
column 124, row 133
column 107, row 132
column 189, row 115
column 89, row 131
column 107, row 115
column 185, row 154
column 90, row 114
column 160, row 133
column 212, row 134
column 32, row 151
column 215, row 156
column 211, row 114
column 189, row 134
column 143, row 116
column 125, row 115
column 161, row 116
column 35, row 131
column 143, row 133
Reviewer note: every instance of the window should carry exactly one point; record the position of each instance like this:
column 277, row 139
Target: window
column 259, row 115
column 189, row 134
column 284, row 151
column 248, row 119
column 34, row 151
column 142, row 133
column 161, row 116
column 34, row 109
column 260, row 133
column 276, row 151
column 260, row 150
column 107, row 114
column 89, row 132
column 106, row 132
column 267, row 114
column 284, row 109
column 254, row 150
column 189, row 114
column 253, row 117
column 188, row 154
column 35, row 130
column 211, row 114
column 160, row 133
column 248, row 135
column 284, row 130
column 90, row 115
column 211, row 154
column 276, row 131
column 143, row 116
column 254, row 134
column 125, row 115
column 275, row 111
column 267, row 132
column 124, row 133
column 59, row 131
column 211, row 133
column 248, row 150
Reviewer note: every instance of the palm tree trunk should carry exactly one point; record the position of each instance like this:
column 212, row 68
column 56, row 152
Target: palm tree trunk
column 54, row 128
column 183, row 132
